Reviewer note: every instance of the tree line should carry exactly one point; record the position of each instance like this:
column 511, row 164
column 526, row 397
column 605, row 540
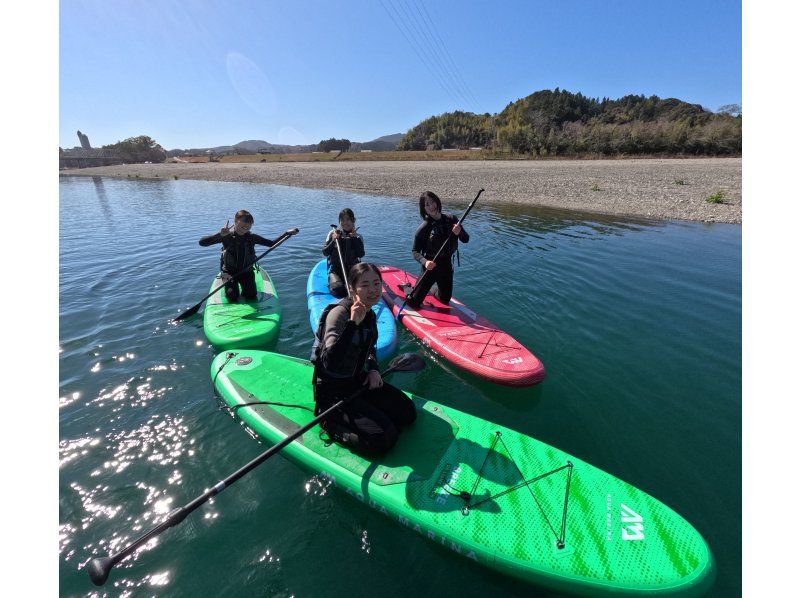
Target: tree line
column 138, row 149
column 560, row 123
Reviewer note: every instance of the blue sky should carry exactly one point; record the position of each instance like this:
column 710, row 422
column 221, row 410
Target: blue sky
column 193, row 73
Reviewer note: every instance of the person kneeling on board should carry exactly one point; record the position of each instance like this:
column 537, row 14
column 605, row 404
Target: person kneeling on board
column 344, row 357
column 238, row 253
column 351, row 245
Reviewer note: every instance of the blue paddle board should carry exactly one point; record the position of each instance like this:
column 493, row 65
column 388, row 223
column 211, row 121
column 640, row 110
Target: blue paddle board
column 319, row 297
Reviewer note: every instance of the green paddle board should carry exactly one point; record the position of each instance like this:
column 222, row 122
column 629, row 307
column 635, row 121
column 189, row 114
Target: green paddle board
column 244, row 324
column 493, row 496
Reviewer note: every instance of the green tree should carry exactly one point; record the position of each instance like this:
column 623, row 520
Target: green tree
column 559, row 122
column 327, row 145
column 138, row 149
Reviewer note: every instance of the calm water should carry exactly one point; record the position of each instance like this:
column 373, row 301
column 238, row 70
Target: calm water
column 637, row 323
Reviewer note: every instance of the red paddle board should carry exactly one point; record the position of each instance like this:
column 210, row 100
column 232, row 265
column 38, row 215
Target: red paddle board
column 461, row 336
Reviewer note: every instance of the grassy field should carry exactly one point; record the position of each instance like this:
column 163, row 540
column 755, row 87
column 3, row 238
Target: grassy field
column 366, row 156
column 408, row 156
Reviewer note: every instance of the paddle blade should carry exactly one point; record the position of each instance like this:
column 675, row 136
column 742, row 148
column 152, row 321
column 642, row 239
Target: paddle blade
column 407, row 362
column 189, row 312
column 99, row 569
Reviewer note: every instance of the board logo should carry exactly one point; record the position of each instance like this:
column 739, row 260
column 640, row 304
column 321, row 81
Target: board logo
column 632, row 523
column 513, row 360
column 447, row 478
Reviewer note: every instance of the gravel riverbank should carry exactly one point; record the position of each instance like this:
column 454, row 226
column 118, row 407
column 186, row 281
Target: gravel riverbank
column 653, row 188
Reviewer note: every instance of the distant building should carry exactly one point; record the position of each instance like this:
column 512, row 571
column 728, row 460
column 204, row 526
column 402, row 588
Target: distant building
column 84, row 139
column 78, row 157
column 86, row 156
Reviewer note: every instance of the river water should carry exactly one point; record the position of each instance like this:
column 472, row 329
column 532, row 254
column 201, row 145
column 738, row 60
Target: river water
column 637, row 322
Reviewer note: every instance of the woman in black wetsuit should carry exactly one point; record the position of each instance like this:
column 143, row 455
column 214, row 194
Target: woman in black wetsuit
column 238, row 254
column 429, row 238
column 351, row 245
column 344, row 357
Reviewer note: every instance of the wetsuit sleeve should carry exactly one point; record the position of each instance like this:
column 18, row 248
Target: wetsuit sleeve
column 211, row 240
column 328, row 247
column 359, row 246
column 420, row 241
column 339, row 330
column 259, row 240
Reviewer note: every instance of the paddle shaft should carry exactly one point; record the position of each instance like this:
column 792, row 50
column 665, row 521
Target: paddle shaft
column 178, row 515
column 341, row 262
column 193, row 310
column 445, row 244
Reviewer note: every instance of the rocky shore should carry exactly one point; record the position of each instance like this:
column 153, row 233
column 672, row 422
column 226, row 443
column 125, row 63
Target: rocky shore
column 651, row 188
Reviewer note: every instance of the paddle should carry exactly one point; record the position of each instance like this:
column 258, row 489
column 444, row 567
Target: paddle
column 341, row 263
column 193, row 310
column 100, row 567
column 446, row 243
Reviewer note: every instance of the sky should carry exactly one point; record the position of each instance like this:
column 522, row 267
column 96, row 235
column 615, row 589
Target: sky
column 193, row 73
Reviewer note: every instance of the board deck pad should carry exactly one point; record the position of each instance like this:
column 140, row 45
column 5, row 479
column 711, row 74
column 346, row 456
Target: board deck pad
column 462, row 337
column 319, row 297
column 243, row 324
column 532, row 512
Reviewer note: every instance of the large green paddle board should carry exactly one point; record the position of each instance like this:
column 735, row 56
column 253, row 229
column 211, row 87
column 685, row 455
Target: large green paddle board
column 529, row 510
column 244, row 324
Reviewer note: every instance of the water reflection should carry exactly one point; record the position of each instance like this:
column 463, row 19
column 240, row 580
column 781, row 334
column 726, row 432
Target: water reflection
column 101, row 195
column 542, row 229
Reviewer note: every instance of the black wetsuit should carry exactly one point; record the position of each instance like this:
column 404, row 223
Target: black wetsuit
column 238, row 251
column 428, row 239
column 352, row 246
column 344, row 352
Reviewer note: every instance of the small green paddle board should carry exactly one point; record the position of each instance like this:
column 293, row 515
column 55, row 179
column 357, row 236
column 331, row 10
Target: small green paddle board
column 485, row 492
column 244, row 324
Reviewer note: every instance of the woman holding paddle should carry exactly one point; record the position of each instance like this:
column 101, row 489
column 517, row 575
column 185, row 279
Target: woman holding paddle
column 434, row 248
column 344, row 357
column 238, row 255
column 350, row 251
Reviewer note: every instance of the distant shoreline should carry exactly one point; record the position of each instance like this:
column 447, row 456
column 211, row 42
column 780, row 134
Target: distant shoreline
column 659, row 188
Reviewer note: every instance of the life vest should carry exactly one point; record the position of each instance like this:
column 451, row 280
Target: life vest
column 350, row 247
column 237, row 252
column 355, row 357
column 438, row 234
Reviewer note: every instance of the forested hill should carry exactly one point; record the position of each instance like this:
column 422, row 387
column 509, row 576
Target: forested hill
column 560, row 123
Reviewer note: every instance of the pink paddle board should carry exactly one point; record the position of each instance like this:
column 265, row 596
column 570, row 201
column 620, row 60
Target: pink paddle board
column 461, row 336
